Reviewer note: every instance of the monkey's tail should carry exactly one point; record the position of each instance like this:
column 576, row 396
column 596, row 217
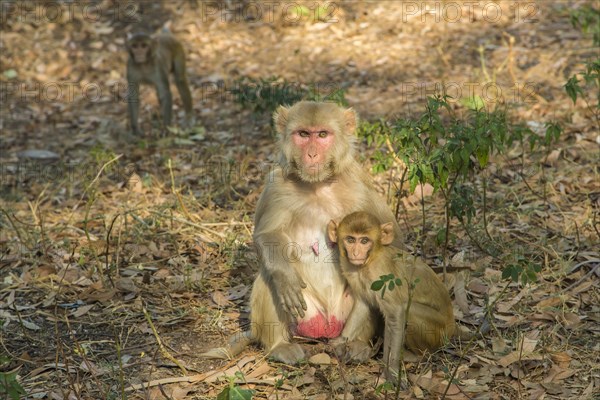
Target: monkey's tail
column 237, row 343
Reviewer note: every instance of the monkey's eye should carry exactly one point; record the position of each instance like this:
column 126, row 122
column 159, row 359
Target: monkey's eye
column 323, row 134
column 350, row 239
column 364, row 240
column 303, row 134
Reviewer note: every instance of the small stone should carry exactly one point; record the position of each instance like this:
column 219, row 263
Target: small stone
column 320, row 359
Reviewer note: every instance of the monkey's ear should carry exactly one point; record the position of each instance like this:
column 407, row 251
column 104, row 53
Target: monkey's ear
column 280, row 119
column 332, row 231
column 387, row 233
column 350, row 120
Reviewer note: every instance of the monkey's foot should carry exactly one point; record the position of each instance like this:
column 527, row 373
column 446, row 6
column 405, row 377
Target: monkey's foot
column 353, row 351
column 189, row 122
column 288, row 353
column 391, row 375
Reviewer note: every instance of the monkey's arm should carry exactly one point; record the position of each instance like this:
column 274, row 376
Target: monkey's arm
column 281, row 277
column 270, row 240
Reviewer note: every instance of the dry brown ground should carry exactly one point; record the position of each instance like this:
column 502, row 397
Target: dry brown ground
column 81, row 314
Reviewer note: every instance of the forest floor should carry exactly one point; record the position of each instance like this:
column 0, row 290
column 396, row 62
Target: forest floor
column 121, row 260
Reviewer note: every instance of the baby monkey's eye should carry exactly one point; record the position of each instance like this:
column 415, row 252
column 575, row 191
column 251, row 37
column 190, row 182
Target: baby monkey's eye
column 364, row 240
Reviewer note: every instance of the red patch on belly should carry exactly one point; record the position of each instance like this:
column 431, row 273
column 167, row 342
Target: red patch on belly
column 319, row 327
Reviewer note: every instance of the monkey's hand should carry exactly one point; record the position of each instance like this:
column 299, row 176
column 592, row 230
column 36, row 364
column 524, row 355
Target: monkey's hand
column 289, row 287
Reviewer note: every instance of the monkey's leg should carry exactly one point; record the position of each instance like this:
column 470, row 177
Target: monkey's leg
column 270, row 326
column 353, row 344
column 428, row 329
column 133, row 105
column 392, row 341
column 183, row 87
column 165, row 99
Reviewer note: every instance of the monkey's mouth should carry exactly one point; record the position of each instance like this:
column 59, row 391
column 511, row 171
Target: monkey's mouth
column 357, row 261
column 321, row 169
column 313, row 167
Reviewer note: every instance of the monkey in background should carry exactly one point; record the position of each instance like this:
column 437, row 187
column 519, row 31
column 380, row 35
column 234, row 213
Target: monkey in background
column 365, row 255
column 151, row 59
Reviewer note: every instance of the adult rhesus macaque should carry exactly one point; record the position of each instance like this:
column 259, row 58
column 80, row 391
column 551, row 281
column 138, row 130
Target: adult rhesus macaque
column 151, row 59
column 300, row 289
column 365, row 255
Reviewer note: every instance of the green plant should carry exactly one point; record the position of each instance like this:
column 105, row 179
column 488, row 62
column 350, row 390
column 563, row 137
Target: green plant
column 234, row 392
column 522, row 269
column 319, row 13
column 446, row 151
column 9, row 386
column 386, row 282
column 264, row 95
column 587, row 19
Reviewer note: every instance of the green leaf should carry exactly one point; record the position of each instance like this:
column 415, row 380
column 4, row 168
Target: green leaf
column 553, row 131
column 9, row 385
column 10, row 74
column 383, row 292
column 529, row 276
column 235, row 393
column 440, row 237
column 512, row 271
column 414, row 181
column 385, row 387
column 473, row 102
column 572, row 87
column 482, row 156
column 377, row 285
column 391, row 285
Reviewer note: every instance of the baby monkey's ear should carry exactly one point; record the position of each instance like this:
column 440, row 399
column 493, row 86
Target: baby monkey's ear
column 387, row 233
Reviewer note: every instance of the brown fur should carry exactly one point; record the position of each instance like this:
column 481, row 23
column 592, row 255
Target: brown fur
column 430, row 317
column 165, row 55
column 292, row 214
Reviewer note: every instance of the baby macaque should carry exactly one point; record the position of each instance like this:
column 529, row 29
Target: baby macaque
column 366, row 255
column 151, row 59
